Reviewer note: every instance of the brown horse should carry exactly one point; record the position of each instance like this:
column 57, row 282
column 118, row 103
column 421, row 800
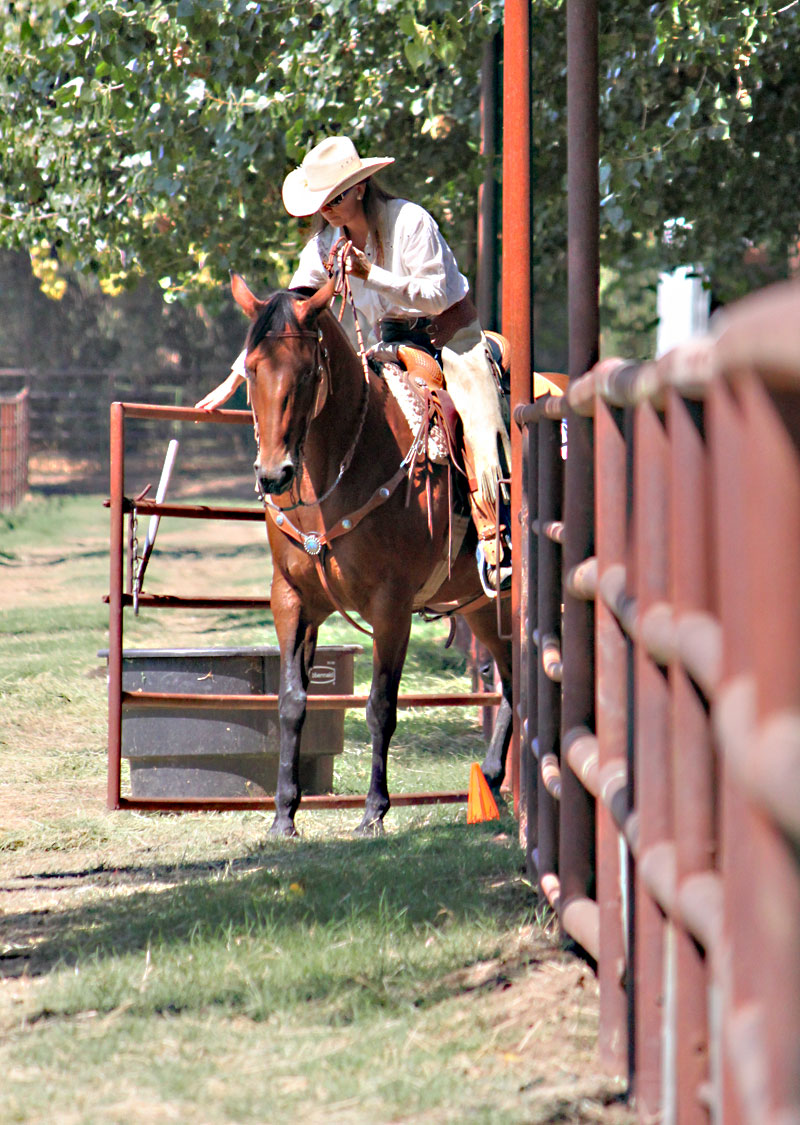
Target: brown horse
column 346, row 528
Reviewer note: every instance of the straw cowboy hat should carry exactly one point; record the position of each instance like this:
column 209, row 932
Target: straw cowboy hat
column 331, row 167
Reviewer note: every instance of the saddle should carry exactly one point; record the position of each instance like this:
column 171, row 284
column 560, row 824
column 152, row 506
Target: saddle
column 422, row 380
column 415, row 378
column 416, row 381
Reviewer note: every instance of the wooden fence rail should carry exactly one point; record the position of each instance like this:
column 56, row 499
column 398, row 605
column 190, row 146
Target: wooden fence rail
column 663, row 810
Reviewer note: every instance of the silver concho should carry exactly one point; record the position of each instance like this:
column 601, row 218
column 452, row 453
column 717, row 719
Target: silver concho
column 312, row 544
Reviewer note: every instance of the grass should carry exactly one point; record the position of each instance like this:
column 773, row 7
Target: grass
column 175, row 968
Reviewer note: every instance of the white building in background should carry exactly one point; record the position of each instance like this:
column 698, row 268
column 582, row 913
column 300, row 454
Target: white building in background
column 683, row 307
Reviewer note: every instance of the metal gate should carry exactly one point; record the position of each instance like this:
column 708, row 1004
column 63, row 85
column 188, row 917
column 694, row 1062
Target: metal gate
column 121, row 598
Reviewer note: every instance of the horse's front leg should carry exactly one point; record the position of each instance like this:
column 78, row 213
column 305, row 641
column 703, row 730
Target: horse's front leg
column 494, row 764
column 483, row 623
column 297, row 637
column 388, row 654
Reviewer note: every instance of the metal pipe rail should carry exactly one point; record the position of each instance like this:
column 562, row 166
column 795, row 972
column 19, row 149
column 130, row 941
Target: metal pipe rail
column 688, row 810
column 121, row 597
column 14, row 430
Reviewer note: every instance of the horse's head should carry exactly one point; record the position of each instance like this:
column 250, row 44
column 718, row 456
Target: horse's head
column 287, row 377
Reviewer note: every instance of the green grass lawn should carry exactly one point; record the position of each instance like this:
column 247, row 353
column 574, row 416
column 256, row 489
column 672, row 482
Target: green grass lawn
column 187, row 968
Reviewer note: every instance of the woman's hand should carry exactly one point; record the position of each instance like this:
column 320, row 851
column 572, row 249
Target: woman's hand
column 357, row 264
column 220, row 395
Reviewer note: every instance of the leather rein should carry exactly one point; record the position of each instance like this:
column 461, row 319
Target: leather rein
column 316, row 543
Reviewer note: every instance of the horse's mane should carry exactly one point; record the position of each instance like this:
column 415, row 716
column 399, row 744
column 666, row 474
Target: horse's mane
column 277, row 315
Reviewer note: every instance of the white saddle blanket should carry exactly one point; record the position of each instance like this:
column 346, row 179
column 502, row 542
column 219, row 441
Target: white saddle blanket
column 413, row 412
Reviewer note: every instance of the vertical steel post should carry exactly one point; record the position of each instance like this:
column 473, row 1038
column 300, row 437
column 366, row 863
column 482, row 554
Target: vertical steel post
column 693, row 776
column 116, row 486
column 612, row 701
column 583, row 193
column 772, row 533
column 530, row 725
column 549, row 508
column 527, row 649
column 651, row 753
column 516, row 288
column 732, row 969
column 486, row 281
column 577, row 808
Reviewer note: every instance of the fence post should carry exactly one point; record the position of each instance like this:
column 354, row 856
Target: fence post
column 651, row 759
column 516, row 286
column 739, row 947
column 14, row 426
column 772, row 534
column 548, row 706
column 693, row 780
column 612, row 721
column 115, row 625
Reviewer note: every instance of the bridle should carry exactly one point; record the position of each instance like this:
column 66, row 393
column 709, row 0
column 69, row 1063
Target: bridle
column 321, row 364
column 336, row 267
column 316, row 543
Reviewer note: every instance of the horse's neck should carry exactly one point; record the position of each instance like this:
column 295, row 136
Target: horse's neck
column 345, row 371
column 335, row 427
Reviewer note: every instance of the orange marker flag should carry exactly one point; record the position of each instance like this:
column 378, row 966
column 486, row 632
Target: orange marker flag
column 481, row 804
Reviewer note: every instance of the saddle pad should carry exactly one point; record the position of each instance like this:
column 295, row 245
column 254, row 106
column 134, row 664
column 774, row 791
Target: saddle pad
column 414, row 410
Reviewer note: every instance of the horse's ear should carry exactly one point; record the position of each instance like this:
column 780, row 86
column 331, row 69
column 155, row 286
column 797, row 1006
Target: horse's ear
column 314, row 305
column 247, row 301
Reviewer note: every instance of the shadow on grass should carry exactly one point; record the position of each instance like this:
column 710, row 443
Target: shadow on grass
column 413, row 882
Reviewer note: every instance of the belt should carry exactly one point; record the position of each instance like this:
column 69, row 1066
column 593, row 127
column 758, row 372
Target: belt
column 405, row 330
column 440, row 328
column 446, row 324
column 403, row 323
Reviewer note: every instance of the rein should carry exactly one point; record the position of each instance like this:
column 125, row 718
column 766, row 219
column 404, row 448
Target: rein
column 317, row 543
column 322, row 363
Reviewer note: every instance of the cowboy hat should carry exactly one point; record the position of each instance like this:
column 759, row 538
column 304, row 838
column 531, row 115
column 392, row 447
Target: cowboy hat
column 331, row 167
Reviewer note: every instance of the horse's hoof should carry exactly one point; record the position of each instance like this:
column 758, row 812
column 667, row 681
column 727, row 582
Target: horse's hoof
column 494, row 781
column 370, row 826
column 284, row 828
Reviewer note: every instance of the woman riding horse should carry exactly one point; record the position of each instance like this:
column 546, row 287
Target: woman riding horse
column 404, row 280
column 360, row 519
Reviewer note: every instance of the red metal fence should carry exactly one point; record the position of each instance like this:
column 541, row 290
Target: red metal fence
column 122, row 597
column 663, row 804
column 13, row 449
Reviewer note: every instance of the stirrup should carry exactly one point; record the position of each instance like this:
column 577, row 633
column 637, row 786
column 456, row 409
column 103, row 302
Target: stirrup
column 489, row 588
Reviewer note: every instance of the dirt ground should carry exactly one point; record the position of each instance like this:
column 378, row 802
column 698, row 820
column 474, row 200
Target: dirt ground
column 39, row 889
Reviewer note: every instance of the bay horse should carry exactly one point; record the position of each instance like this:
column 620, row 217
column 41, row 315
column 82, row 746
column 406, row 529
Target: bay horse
column 348, row 528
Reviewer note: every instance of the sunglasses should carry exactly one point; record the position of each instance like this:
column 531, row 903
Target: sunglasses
column 337, row 199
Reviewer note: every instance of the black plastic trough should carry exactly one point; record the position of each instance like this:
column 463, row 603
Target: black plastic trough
column 184, row 752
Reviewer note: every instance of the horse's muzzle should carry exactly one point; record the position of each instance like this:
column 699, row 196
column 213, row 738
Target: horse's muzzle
column 273, row 482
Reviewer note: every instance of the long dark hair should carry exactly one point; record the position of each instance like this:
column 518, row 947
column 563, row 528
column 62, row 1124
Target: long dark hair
column 375, row 198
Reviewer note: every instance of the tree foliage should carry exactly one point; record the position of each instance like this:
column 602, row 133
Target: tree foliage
column 154, row 138
column 700, row 116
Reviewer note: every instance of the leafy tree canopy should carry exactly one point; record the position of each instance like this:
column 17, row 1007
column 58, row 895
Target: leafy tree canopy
column 154, row 138
column 700, row 111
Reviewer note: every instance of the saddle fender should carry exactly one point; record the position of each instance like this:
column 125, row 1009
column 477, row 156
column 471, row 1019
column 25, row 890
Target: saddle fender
column 426, row 378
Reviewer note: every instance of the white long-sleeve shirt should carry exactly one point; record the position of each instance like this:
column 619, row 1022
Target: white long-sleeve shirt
column 420, row 275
